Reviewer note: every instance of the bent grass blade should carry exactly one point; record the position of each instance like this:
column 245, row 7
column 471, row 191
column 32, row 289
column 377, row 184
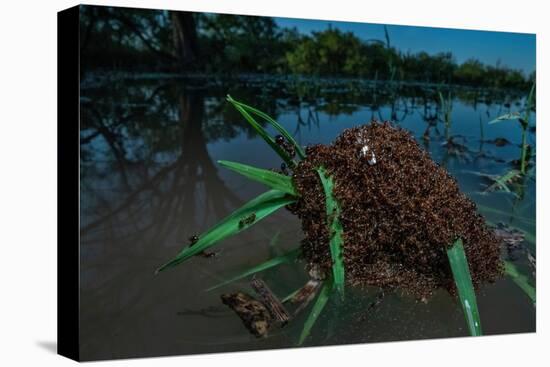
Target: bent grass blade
column 275, row 124
column 272, row 179
column 261, row 207
column 502, row 181
column 463, row 281
column 529, row 105
column 320, row 303
column 336, row 238
column 521, row 281
column 290, row 296
column 524, row 122
column 262, row 132
column 283, row 259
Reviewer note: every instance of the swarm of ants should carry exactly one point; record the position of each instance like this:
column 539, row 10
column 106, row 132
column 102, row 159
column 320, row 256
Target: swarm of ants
column 400, row 212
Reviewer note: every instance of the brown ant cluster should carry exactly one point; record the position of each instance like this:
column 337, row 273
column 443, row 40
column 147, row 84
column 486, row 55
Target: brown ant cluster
column 289, row 149
column 285, row 145
column 400, row 212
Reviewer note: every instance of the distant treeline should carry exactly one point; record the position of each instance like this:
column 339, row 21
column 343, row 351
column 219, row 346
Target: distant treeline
column 154, row 40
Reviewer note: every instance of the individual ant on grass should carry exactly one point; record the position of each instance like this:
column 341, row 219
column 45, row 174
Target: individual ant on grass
column 287, row 147
column 248, row 220
column 284, row 169
column 193, row 240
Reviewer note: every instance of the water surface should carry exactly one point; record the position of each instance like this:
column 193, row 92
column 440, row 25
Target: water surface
column 149, row 180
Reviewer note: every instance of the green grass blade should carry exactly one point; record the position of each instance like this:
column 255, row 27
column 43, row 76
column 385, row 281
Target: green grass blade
column 501, row 181
column 530, row 100
column 275, row 239
column 521, row 280
column 463, row 281
column 291, row 295
column 441, row 101
column 509, row 175
column 320, row 303
column 506, row 117
column 336, row 237
column 283, row 259
column 275, row 124
column 262, row 132
column 272, row 179
column 261, row 206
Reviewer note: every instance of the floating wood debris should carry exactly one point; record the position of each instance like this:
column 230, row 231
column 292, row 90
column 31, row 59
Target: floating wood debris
column 270, row 300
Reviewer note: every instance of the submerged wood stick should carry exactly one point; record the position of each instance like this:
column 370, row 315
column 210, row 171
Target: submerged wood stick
column 270, row 300
column 305, row 295
column 254, row 315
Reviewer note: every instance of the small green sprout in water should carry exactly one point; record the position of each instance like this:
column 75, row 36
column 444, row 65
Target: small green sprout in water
column 446, row 105
column 523, row 119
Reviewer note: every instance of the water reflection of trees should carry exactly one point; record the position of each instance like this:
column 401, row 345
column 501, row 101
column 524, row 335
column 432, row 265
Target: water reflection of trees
column 142, row 125
column 159, row 150
column 137, row 135
column 144, row 183
column 149, row 181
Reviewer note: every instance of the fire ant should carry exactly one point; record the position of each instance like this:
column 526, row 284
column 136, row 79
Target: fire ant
column 287, row 147
column 284, row 169
column 193, row 240
column 247, row 220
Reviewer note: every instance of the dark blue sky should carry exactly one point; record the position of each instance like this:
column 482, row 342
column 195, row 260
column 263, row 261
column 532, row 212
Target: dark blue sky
column 516, row 50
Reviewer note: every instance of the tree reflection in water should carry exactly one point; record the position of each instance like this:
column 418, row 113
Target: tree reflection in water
column 149, row 181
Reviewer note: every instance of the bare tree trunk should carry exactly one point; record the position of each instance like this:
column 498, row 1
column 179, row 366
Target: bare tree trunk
column 184, row 31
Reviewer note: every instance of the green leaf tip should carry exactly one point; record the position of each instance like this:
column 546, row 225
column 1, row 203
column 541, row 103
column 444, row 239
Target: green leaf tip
column 272, row 179
column 247, row 111
column 521, row 281
column 260, row 207
column 283, row 259
column 336, row 231
column 320, row 303
column 465, row 288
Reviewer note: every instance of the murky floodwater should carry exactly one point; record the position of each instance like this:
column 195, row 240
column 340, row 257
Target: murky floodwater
column 149, row 148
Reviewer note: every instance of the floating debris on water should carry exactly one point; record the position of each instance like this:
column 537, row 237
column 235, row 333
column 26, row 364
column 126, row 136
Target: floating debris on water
column 252, row 312
column 270, row 300
column 305, row 295
column 512, row 240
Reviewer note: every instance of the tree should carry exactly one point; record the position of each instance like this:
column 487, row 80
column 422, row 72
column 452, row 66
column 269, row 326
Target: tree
column 186, row 45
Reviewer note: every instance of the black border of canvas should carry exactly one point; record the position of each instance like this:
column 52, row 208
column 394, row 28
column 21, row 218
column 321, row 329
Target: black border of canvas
column 68, row 183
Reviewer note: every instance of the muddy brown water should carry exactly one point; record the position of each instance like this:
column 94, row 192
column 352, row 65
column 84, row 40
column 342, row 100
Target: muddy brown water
column 149, row 181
